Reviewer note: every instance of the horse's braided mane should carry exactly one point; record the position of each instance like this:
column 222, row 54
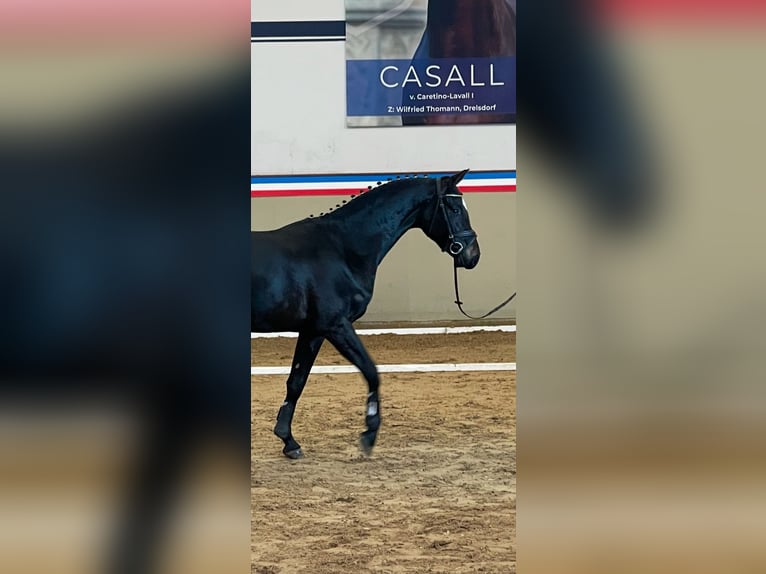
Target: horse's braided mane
column 370, row 188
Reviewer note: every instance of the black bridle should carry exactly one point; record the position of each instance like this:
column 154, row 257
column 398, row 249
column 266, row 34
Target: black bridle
column 456, row 242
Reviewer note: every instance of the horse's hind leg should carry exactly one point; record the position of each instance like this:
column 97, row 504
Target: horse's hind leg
column 306, row 350
column 345, row 339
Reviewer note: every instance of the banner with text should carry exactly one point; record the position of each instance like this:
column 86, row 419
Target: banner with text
column 420, row 63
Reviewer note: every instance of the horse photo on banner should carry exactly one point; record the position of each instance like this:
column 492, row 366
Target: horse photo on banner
column 421, row 62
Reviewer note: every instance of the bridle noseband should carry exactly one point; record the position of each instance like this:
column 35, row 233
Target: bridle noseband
column 454, row 246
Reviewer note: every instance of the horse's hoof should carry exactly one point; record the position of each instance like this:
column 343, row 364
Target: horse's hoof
column 366, row 443
column 293, row 454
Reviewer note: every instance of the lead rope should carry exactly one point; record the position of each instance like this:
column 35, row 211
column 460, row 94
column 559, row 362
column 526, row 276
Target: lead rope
column 459, row 303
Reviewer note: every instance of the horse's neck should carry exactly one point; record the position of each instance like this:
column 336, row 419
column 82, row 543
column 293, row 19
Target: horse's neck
column 377, row 220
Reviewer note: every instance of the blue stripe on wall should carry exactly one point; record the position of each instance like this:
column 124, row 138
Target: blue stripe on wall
column 326, row 28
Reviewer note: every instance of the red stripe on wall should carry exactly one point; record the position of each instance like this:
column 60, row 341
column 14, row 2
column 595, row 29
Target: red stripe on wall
column 487, row 188
column 348, row 192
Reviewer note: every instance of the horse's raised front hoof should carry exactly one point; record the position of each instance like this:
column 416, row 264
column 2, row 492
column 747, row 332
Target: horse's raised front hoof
column 367, row 441
column 293, row 454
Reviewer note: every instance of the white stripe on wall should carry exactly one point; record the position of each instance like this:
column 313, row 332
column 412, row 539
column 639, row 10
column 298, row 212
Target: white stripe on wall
column 358, row 185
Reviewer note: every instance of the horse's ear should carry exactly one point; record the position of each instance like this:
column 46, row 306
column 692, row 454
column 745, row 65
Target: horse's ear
column 458, row 177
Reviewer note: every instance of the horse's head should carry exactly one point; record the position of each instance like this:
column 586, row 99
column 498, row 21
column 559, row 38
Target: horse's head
column 449, row 226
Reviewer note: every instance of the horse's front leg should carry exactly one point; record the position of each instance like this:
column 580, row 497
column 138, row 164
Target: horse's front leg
column 306, row 350
column 345, row 339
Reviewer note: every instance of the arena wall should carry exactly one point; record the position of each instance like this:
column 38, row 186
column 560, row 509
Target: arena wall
column 298, row 127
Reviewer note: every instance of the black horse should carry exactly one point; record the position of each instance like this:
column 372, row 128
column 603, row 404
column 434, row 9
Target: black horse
column 316, row 277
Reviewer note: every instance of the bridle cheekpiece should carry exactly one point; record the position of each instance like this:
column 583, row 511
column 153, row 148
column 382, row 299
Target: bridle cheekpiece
column 456, row 240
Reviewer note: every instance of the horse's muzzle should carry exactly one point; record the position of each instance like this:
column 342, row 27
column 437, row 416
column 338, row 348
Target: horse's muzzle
column 468, row 258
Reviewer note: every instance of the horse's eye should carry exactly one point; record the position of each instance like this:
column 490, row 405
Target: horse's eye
column 455, row 210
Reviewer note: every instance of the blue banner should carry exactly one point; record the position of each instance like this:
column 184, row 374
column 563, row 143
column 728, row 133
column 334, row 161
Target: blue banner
column 430, row 62
column 415, row 88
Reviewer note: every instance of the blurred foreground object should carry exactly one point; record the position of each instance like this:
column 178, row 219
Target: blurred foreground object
column 641, row 369
column 124, row 352
column 582, row 112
